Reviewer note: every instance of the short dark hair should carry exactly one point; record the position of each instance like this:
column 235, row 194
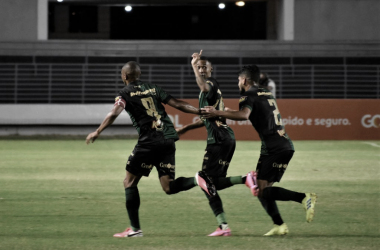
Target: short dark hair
column 251, row 72
column 203, row 58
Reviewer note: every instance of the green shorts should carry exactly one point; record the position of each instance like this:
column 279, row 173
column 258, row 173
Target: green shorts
column 146, row 156
column 272, row 167
column 218, row 157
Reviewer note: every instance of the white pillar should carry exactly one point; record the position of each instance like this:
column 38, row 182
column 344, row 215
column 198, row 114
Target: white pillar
column 42, row 19
column 286, row 22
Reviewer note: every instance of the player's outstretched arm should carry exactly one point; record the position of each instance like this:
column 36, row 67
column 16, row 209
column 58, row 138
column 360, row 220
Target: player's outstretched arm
column 228, row 109
column 187, row 127
column 108, row 120
column 183, row 106
column 203, row 86
column 243, row 114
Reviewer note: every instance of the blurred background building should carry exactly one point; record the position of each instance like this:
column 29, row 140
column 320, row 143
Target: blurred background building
column 71, row 51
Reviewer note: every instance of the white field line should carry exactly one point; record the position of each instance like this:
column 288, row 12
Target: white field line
column 372, row 144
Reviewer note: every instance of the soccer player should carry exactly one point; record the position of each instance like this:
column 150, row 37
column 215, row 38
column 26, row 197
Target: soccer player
column 259, row 106
column 220, row 140
column 268, row 83
column 156, row 143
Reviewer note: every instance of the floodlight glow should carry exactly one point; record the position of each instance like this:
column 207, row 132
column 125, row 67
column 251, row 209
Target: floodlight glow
column 240, row 3
column 128, row 8
column 60, row 1
column 222, row 6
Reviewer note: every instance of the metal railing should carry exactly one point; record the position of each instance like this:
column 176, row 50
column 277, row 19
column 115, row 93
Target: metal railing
column 99, row 83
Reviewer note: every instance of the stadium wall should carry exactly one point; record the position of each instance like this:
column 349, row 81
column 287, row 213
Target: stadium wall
column 304, row 119
column 23, row 20
column 338, row 20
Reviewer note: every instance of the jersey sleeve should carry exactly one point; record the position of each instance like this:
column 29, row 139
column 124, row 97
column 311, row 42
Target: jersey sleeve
column 162, row 95
column 246, row 101
column 212, row 95
column 119, row 101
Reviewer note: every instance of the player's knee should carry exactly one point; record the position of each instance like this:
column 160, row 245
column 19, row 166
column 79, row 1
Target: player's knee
column 127, row 183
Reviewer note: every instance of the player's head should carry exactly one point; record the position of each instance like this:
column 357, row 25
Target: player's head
column 204, row 67
column 130, row 72
column 248, row 76
column 264, row 79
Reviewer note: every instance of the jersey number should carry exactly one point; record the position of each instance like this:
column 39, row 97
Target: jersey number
column 276, row 112
column 150, row 108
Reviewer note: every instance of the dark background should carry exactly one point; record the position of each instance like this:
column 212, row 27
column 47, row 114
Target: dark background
column 174, row 22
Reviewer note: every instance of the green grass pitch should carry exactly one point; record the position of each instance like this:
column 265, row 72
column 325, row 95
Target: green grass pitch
column 63, row 194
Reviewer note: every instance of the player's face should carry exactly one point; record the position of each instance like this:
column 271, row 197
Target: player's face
column 241, row 84
column 204, row 68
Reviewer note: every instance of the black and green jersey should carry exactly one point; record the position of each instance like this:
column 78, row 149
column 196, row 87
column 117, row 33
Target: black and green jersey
column 143, row 102
column 217, row 129
column 266, row 119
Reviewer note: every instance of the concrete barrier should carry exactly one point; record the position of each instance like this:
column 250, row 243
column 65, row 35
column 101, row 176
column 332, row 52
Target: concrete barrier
column 58, row 114
column 60, row 119
column 304, row 119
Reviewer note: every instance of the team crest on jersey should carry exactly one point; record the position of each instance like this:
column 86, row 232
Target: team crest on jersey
column 242, row 99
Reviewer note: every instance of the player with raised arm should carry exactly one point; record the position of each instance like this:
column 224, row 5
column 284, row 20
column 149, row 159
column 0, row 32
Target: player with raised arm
column 220, row 140
column 156, row 143
column 259, row 106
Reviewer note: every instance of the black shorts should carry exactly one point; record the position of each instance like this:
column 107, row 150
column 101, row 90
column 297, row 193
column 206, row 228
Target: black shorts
column 218, row 157
column 272, row 167
column 146, row 156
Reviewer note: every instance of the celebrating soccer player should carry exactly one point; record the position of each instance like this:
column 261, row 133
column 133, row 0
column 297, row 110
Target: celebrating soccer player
column 258, row 105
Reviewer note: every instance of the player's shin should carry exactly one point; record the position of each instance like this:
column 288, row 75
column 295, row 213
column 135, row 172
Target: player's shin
column 181, row 184
column 132, row 204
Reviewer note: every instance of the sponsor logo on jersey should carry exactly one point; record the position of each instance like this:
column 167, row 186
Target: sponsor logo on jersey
column 144, row 165
column 146, row 92
column 224, row 163
column 276, row 165
column 243, row 98
column 264, row 93
column 169, row 166
column 369, row 121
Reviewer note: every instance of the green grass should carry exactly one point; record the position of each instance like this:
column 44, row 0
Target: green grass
column 62, row 194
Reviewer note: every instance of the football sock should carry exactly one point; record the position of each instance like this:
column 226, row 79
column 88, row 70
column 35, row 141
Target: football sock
column 282, row 194
column 271, row 208
column 221, row 219
column 132, row 204
column 216, row 206
column 237, row 180
column 226, row 182
column 181, row 184
column 243, row 178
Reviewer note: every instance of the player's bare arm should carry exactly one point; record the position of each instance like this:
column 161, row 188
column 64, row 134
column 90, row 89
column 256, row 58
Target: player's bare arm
column 201, row 81
column 209, row 112
column 195, row 125
column 183, row 106
column 108, row 120
column 228, row 109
